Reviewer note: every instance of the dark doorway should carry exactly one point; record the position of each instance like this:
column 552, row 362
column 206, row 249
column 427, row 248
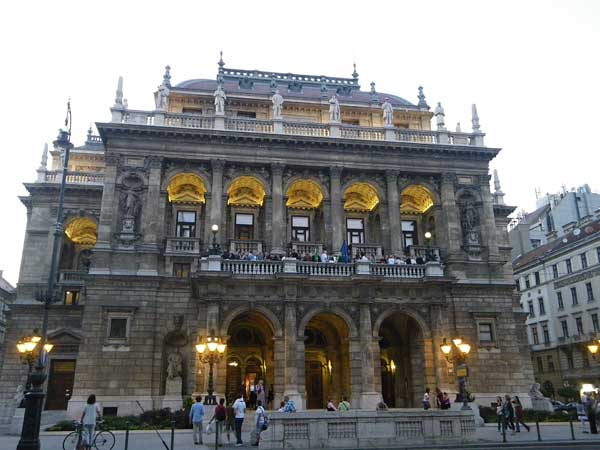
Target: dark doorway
column 60, row 383
column 314, row 385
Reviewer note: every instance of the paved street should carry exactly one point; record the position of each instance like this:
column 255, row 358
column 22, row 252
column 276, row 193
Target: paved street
column 487, row 436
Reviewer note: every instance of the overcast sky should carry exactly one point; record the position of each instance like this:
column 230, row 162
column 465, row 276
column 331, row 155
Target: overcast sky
column 532, row 68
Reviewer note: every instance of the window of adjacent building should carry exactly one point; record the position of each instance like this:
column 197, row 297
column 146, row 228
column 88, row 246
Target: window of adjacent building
column 540, row 364
column 569, row 266
column 570, row 363
column 584, row 263
column 300, row 228
column 355, row 230
column 550, row 363
column 565, row 328
column 579, row 324
column 486, row 332
column 117, row 328
column 409, row 233
column 590, row 292
column 181, row 270
column 535, row 336
column 574, row 296
column 537, row 278
column 527, row 285
column 72, row 297
column 559, row 300
column 186, row 224
column 244, row 227
column 595, row 323
column 555, row 270
column 542, row 307
column 531, row 310
column 546, row 334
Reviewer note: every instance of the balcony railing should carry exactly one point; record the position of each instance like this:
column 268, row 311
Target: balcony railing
column 317, row 269
column 425, row 252
column 182, row 246
column 333, row 130
column 374, row 250
column 73, row 277
column 307, row 248
column 243, row 246
column 55, row 176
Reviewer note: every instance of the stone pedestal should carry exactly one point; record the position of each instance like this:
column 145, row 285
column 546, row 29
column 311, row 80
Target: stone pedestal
column 219, row 122
column 390, row 135
column 16, row 424
column 369, row 400
column 541, row 404
column 173, row 398
column 214, row 265
column 457, row 406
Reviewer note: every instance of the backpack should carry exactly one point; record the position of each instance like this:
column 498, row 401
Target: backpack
column 220, row 413
column 265, row 423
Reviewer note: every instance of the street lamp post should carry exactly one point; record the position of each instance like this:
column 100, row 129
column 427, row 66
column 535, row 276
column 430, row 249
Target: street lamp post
column 215, row 250
column 28, row 349
column 457, row 353
column 34, row 399
column 211, row 350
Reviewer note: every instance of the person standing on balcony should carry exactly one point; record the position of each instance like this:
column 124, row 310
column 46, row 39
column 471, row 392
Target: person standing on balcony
column 324, row 257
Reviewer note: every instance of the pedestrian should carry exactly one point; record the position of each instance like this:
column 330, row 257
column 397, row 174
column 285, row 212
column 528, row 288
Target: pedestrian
column 196, row 416
column 289, row 406
column 438, row 397
column 589, row 406
column 229, row 421
column 260, row 393
column 281, row 406
column 252, row 396
column 519, row 414
column 499, row 412
column 270, row 396
column 261, row 420
column 344, row 405
column 331, row 406
column 508, row 413
column 91, row 412
column 445, row 404
column 219, row 418
column 239, row 408
column 426, row 402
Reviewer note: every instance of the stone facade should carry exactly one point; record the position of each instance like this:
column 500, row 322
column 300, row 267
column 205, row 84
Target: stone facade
column 137, row 283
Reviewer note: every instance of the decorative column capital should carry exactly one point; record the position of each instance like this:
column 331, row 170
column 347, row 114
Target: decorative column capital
column 484, row 180
column 217, row 164
column 277, row 169
column 391, row 176
column 155, row 162
column 112, row 160
column 448, row 177
column 335, row 171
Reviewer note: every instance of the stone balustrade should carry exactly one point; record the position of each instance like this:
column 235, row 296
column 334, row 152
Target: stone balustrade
column 182, row 246
column 367, row 429
column 308, row 248
column 375, row 250
column 318, row 269
column 71, row 276
column 55, row 176
column 287, row 127
column 425, row 252
column 243, row 246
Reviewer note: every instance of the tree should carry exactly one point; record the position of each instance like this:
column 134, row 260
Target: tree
column 569, row 393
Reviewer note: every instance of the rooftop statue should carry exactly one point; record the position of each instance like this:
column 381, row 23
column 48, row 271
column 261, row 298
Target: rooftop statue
column 220, row 100
column 334, row 109
column 388, row 113
column 440, row 117
column 162, row 97
column 277, row 100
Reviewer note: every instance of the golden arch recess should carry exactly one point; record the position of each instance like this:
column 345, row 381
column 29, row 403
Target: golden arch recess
column 360, row 197
column 82, row 231
column 186, row 188
column 304, row 194
column 246, row 191
column 415, row 199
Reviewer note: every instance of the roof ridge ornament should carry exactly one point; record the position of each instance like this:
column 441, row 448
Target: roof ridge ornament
column 422, row 103
column 44, row 161
column 167, row 76
column 119, row 94
column 498, row 195
column 475, row 119
column 355, row 74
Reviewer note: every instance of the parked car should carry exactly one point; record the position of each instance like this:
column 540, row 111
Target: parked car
column 569, row 407
column 556, row 404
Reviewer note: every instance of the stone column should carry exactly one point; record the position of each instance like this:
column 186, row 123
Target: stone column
column 151, row 220
column 108, row 216
column 337, row 210
column 291, row 356
column 369, row 397
column 278, row 229
column 215, row 215
column 393, row 206
column 488, row 220
column 451, row 238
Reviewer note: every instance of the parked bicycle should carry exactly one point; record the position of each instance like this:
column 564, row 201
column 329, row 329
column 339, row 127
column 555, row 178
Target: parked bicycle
column 102, row 440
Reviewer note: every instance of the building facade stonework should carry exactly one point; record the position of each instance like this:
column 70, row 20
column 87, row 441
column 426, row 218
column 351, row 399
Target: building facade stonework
column 288, row 189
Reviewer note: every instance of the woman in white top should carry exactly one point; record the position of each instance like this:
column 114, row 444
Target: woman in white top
column 91, row 412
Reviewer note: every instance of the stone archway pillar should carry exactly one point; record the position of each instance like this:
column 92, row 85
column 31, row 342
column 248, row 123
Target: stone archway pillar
column 369, row 396
column 291, row 360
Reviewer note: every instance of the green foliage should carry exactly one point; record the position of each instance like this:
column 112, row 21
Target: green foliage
column 63, row 425
column 569, row 393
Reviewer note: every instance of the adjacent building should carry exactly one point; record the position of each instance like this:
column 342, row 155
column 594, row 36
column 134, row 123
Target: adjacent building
column 559, row 286
column 263, row 170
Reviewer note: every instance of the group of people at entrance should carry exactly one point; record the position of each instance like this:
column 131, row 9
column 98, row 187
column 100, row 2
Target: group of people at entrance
column 510, row 414
column 442, row 400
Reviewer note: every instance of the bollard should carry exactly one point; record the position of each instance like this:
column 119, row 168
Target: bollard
column 571, row 425
column 537, row 427
column 216, row 434
column 126, row 435
column 503, row 430
column 173, row 435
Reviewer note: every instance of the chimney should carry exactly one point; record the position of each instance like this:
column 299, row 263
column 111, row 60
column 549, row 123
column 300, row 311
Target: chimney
column 567, row 228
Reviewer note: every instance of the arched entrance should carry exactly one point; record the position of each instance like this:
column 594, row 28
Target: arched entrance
column 327, row 360
column 402, row 361
column 78, row 239
column 249, row 354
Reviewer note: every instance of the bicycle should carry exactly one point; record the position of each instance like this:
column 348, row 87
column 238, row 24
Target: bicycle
column 102, row 439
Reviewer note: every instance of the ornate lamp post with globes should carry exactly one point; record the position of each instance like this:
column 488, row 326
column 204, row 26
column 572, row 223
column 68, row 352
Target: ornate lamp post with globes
column 29, row 352
column 215, row 249
column 457, row 353
column 211, row 349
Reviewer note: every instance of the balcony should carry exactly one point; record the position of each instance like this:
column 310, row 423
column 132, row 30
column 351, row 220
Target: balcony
column 293, row 128
column 306, row 248
column 245, row 246
column 55, row 176
column 425, row 252
column 71, row 277
column 180, row 246
column 321, row 270
column 374, row 250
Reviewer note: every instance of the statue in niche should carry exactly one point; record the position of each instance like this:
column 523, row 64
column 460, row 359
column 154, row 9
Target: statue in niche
column 220, row 98
column 277, row 100
column 388, row 113
column 130, row 207
column 334, row 109
column 470, row 223
column 174, row 365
